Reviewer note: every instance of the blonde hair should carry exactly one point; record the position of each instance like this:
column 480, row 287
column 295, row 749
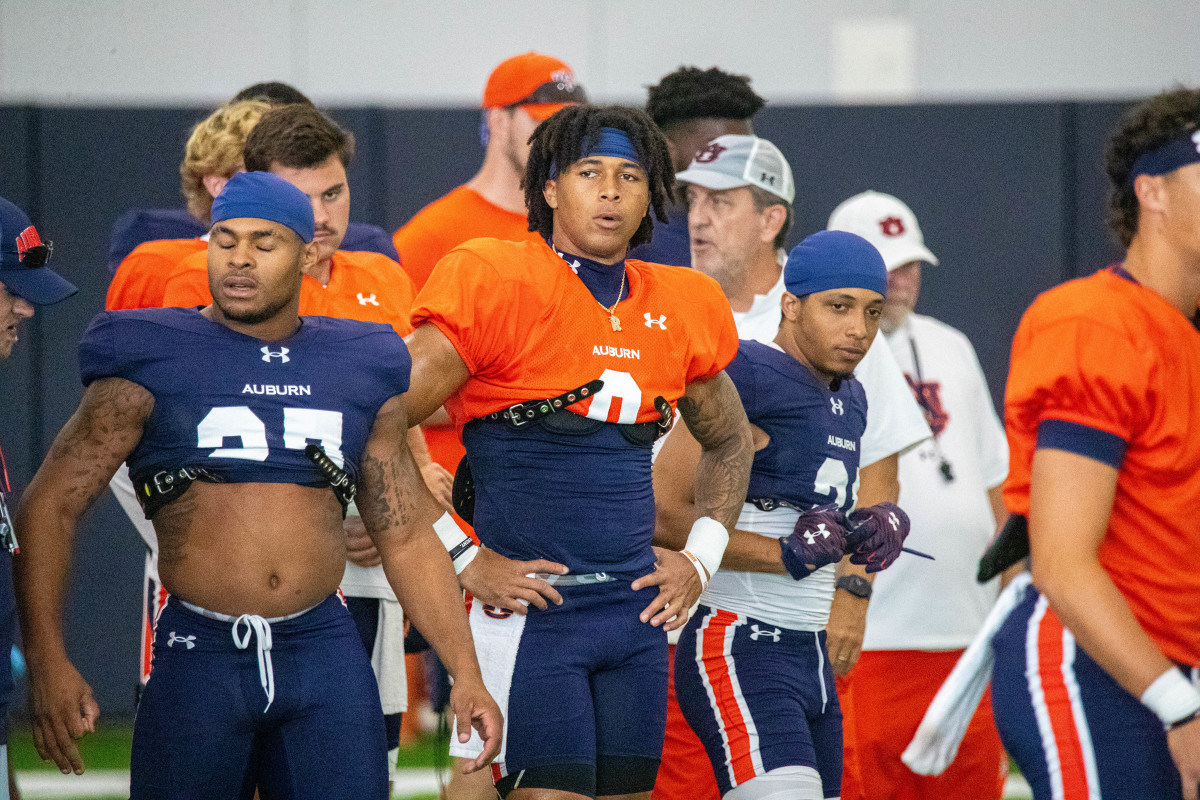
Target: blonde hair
column 215, row 148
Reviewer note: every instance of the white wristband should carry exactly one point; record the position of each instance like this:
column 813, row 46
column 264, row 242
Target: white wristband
column 1172, row 697
column 706, row 546
column 460, row 547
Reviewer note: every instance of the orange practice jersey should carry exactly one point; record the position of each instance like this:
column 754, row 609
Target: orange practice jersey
column 527, row 328
column 448, row 222
column 141, row 279
column 1105, row 353
column 364, row 286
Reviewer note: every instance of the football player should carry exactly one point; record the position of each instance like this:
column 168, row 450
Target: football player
column 562, row 361
column 236, row 421
column 752, row 670
column 1094, row 681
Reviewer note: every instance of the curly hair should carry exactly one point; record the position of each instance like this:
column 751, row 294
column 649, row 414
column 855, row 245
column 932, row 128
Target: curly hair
column 215, row 148
column 1147, row 127
column 276, row 93
column 296, row 136
column 560, row 141
column 692, row 93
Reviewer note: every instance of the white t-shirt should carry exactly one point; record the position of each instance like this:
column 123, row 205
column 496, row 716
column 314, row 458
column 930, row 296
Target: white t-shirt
column 365, row 581
column 778, row 599
column 895, row 423
column 938, row 605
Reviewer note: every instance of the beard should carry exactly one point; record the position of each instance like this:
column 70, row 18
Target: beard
column 253, row 316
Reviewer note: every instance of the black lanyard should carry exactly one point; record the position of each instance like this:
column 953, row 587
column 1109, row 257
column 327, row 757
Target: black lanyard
column 943, row 463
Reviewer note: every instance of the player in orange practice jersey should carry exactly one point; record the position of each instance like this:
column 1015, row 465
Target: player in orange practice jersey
column 561, row 362
column 1102, row 409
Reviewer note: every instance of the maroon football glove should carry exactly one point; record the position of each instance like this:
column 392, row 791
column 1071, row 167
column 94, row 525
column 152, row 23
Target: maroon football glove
column 818, row 539
column 876, row 535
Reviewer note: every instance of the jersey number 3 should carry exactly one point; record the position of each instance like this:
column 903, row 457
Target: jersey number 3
column 301, row 426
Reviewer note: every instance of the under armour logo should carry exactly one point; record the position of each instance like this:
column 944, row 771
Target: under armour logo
column 767, row 178
column 837, row 406
column 362, row 301
column 282, row 355
column 189, row 641
column 757, row 632
column 661, row 322
column 821, row 531
column 710, row 153
column 894, row 521
column 891, row 226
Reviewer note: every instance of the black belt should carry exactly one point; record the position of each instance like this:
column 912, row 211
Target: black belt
column 532, row 410
column 339, row 480
column 168, row 485
column 771, row 503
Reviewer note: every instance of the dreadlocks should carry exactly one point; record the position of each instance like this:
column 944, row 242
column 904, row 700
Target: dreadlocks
column 560, row 141
column 692, row 93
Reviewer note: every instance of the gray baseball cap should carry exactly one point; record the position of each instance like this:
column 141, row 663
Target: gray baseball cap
column 735, row 160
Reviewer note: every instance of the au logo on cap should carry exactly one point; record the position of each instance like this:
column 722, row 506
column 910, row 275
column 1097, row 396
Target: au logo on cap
column 891, row 226
column 710, row 153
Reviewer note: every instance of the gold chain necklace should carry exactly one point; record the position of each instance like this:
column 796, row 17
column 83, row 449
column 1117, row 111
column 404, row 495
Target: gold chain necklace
column 612, row 317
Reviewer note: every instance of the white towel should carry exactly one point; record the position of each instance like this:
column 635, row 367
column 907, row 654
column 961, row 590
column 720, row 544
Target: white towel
column 387, row 658
column 496, row 645
column 940, row 733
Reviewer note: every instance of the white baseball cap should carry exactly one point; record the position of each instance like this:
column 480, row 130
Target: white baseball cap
column 735, row 160
column 886, row 222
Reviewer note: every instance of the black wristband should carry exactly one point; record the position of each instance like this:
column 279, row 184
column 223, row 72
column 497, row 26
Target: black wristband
column 460, row 548
column 856, row 585
column 1179, row 723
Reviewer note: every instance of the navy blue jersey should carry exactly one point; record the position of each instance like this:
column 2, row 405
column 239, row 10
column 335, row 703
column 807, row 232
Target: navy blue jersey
column 584, row 500
column 812, row 458
column 242, row 407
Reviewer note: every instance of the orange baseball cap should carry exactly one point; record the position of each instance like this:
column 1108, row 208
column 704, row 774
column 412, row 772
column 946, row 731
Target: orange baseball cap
column 538, row 83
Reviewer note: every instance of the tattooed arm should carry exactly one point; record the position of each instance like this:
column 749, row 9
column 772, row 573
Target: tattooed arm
column 98, row 437
column 715, row 417
column 438, row 371
column 675, row 505
column 399, row 512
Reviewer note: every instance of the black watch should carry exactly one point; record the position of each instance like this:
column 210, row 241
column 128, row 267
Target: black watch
column 856, row 585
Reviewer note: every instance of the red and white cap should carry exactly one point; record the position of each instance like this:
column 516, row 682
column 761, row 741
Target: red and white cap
column 886, row 222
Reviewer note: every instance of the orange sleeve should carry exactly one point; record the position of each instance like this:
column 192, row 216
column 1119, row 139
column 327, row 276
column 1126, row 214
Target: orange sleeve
column 188, row 285
column 466, row 298
column 1081, row 371
column 1071, row 369
column 713, row 338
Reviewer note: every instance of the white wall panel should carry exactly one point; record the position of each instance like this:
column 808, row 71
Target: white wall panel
column 412, row 53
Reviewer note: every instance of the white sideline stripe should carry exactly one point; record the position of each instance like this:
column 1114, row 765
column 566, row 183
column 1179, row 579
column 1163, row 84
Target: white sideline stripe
column 48, row 785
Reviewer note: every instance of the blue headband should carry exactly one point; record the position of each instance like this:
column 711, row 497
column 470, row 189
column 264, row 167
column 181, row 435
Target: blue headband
column 262, row 195
column 1168, row 158
column 834, row 260
column 607, row 142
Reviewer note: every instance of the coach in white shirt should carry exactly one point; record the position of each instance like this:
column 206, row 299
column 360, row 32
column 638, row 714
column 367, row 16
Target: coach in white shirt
column 924, row 613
